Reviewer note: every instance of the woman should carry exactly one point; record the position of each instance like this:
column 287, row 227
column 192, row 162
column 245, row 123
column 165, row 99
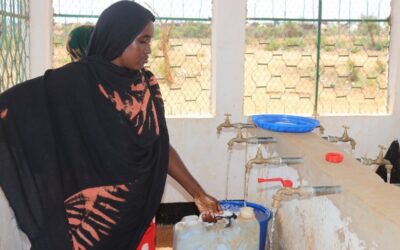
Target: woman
column 78, row 40
column 84, row 149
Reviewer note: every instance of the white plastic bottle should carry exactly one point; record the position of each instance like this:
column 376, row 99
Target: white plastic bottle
column 249, row 236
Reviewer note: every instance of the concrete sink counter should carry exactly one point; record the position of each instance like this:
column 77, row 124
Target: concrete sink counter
column 365, row 216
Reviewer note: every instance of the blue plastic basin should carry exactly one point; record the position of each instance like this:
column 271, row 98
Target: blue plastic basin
column 263, row 216
column 285, row 123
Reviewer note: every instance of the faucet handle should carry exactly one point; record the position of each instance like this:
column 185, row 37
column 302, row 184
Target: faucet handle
column 285, row 182
column 227, row 121
column 382, row 147
column 345, row 133
column 380, row 155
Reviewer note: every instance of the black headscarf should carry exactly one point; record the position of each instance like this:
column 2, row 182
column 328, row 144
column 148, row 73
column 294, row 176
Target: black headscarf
column 117, row 27
column 84, row 148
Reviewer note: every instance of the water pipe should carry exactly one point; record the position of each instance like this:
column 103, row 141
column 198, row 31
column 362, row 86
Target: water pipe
column 305, row 191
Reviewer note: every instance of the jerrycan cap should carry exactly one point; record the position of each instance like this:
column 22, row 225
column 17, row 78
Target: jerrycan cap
column 247, row 213
column 334, row 157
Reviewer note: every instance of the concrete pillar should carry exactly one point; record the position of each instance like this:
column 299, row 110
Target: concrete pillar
column 196, row 139
column 394, row 55
column 228, row 46
column 41, row 40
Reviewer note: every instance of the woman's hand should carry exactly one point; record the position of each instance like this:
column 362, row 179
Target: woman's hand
column 208, row 206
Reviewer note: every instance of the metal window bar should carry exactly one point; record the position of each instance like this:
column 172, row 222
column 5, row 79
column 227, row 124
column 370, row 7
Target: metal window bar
column 348, row 85
column 14, row 52
column 180, row 56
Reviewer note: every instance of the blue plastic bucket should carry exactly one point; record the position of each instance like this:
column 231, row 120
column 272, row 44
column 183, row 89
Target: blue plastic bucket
column 263, row 215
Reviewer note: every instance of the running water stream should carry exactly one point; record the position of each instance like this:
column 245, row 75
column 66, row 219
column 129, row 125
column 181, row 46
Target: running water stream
column 228, row 166
column 271, row 233
column 246, row 187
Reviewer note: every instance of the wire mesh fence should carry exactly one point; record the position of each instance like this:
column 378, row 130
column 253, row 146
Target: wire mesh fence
column 181, row 48
column 317, row 57
column 14, row 42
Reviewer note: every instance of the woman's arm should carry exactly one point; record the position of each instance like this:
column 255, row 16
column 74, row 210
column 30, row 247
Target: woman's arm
column 177, row 170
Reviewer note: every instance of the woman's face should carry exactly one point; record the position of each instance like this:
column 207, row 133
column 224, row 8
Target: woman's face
column 135, row 56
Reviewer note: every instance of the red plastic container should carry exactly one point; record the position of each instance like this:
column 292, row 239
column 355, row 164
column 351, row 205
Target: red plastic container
column 148, row 241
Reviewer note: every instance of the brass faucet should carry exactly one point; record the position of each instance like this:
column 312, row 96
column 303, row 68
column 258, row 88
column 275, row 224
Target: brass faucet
column 344, row 138
column 259, row 159
column 288, row 190
column 321, row 129
column 303, row 191
column 238, row 139
column 239, row 135
column 380, row 160
column 226, row 124
column 285, row 191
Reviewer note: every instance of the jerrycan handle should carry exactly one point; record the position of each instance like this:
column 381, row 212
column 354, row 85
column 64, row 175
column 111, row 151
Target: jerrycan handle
column 285, row 182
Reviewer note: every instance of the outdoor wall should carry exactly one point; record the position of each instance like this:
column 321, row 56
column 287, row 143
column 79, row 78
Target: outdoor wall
column 40, row 37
